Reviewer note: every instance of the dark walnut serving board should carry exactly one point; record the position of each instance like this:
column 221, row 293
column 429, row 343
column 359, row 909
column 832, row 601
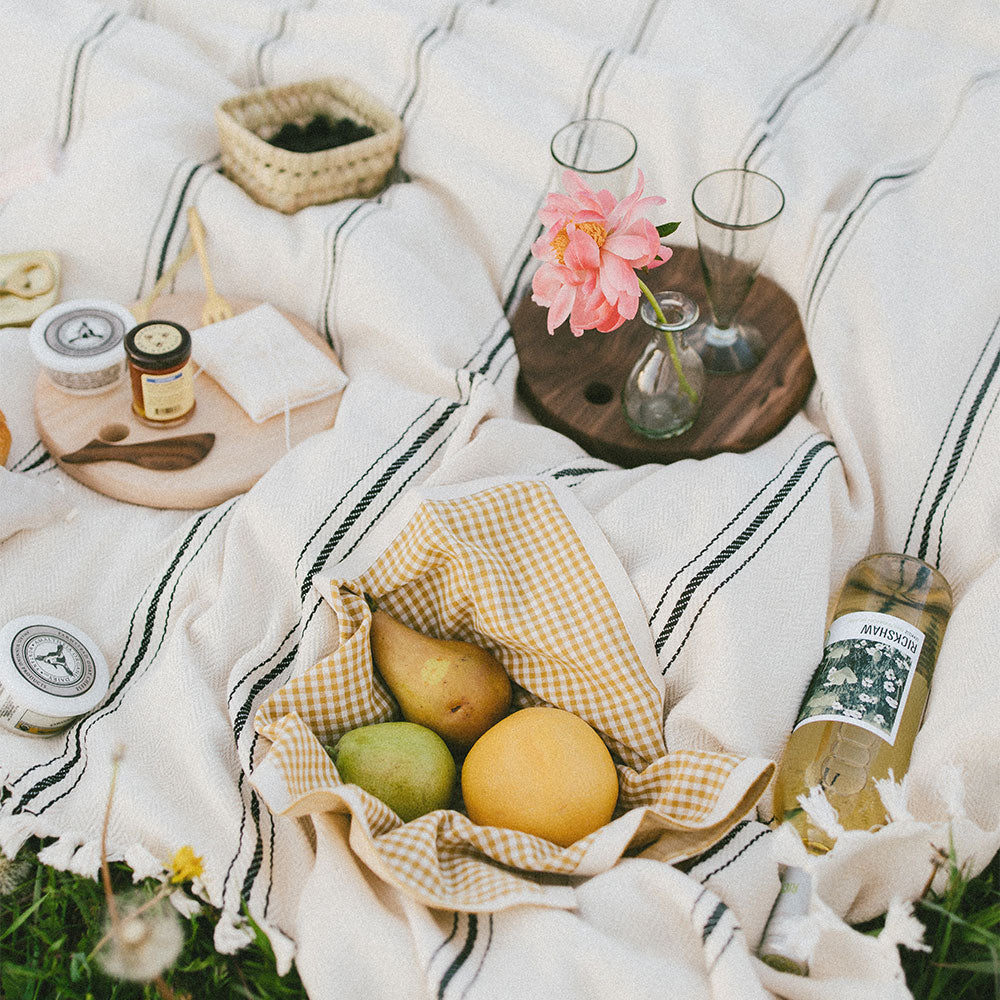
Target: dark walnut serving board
column 573, row 384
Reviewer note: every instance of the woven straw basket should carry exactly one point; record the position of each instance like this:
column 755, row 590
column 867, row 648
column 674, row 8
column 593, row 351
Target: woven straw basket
column 288, row 181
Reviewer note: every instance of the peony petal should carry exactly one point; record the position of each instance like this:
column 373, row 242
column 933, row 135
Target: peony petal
column 561, row 308
column 578, row 190
column 545, row 284
column 582, row 253
column 631, row 247
column 617, row 277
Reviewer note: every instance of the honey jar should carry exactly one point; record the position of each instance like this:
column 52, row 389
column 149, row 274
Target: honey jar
column 161, row 372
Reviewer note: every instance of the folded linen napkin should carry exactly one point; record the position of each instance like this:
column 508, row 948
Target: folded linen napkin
column 264, row 363
column 507, row 568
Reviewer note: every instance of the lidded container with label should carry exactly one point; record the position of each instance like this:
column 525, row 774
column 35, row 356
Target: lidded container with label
column 862, row 709
column 51, row 672
column 161, row 372
column 79, row 344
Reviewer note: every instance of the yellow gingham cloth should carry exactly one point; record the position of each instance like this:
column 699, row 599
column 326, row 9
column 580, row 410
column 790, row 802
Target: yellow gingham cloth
column 505, row 569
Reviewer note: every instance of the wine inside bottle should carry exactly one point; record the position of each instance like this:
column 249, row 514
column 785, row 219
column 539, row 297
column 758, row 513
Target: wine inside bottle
column 865, row 702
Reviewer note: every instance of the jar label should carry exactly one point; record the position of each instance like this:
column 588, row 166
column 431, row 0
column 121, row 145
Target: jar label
column 168, row 396
column 53, row 661
column 158, row 338
column 868, row 665
column 84, row 332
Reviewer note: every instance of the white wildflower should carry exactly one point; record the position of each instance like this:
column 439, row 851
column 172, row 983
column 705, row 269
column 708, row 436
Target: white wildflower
column 891, row 702
column 867, row 682
column 143, row 942
column 880, row 719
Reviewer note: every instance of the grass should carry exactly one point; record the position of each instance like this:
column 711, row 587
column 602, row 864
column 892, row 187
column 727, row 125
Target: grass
column 51, row 920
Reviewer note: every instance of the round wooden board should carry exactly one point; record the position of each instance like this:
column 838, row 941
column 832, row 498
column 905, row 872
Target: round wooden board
column 243, row 450
column 573, row 384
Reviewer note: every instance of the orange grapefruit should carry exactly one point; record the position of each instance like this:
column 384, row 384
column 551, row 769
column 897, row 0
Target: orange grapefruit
column 542, row 771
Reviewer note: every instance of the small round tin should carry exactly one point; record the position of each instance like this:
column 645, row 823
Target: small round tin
column 51, row 673
column 79, row 344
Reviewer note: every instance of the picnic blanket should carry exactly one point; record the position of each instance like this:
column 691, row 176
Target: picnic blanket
column 881, row 121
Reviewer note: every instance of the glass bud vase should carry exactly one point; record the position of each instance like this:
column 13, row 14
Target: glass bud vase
column 662, row 396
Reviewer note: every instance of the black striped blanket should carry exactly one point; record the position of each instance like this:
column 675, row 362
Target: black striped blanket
column 881, row 121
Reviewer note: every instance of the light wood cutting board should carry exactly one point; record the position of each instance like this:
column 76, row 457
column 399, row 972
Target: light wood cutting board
column 243, row 450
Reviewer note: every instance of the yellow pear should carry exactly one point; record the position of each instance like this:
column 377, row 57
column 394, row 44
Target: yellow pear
column 456, row 688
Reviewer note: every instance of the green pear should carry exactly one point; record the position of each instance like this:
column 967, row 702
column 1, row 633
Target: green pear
column 407, row 766
column 456, row 688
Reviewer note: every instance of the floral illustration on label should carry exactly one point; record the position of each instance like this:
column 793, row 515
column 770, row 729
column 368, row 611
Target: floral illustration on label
column 864, row 678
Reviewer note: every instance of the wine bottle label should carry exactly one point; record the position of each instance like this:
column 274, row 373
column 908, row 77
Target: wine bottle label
column 868, row 665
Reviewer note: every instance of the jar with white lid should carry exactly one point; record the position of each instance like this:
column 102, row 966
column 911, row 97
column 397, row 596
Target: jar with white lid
column 51, row 672
column 80, row 344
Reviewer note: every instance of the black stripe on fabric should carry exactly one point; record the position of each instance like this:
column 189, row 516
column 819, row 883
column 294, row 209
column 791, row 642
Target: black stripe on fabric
column 722, row 950
column 592, row 88
column 753, row 840
column 281, row 645
column 243, row 715
column 259, row 59
column 728, row 525
column 643, row 26
column 902, row 175
column 371, row 494
column 241, row 780
column 662, row 638
column 482, row 957
column 417, row 54
column 258, row 851
column 37, row 463
column 113, row 700
column 150, row 251
column 800, row 81
column 13, row 466
column 179, row 204
column 74, row 77
column 944, row 437
column 968, row 88
column 331, row 264
column 354, row 485
column 575, row 470
column 958, row 485
column 472, row 930
column 719, row 845
column 956, row 453
column 762, row 516
column 713, row 920
column 448, row 939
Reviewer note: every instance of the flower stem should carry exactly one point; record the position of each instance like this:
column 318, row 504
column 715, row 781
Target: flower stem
column 671, row 346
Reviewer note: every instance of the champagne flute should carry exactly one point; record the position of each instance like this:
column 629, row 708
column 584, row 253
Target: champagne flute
column 601, row 151
column 735, row 211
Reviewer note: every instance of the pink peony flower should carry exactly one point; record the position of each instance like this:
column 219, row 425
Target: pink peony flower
column 590, row 249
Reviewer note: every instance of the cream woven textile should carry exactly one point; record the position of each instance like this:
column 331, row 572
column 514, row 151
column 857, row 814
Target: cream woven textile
column 504, row 568
column 881, row 121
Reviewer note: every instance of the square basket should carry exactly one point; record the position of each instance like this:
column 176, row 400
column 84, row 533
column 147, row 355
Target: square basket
column 286, row 180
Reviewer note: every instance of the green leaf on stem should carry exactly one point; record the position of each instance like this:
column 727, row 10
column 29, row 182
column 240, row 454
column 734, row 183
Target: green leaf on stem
column 666, row 229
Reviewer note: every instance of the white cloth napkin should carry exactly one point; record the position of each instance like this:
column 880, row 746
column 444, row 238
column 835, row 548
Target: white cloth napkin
column 264, row 363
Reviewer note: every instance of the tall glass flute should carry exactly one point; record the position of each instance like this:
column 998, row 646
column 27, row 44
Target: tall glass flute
column 601, row 151
column 735, row 211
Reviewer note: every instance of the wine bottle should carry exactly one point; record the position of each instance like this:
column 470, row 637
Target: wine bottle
column 865, row 702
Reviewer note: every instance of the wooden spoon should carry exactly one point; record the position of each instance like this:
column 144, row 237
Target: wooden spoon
column 164, row 454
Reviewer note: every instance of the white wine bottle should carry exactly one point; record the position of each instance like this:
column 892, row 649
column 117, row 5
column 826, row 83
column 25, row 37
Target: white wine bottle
column 865, row 702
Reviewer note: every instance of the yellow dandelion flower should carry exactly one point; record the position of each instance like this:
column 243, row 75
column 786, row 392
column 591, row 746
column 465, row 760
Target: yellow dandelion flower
column 186, row 865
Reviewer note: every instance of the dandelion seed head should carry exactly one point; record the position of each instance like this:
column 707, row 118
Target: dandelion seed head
column 144, row 942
